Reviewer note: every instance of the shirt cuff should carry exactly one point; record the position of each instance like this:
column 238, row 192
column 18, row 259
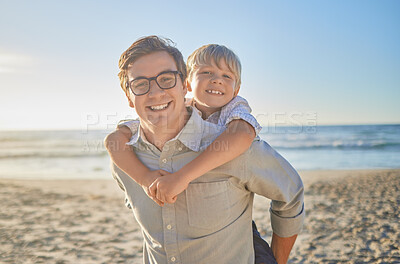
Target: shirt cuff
column 287, row 226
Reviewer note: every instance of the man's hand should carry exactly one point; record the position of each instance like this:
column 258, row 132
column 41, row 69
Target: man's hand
column 167, row 188
column 150, row 177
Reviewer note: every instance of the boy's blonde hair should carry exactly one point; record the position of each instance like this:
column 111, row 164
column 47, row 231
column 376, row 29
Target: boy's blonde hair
column 214, row 52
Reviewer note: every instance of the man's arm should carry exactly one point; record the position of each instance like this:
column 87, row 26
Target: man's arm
column 281, row 247
column 271, row 176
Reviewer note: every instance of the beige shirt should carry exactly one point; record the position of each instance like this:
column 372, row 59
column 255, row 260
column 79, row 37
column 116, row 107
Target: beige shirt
column 211, row 220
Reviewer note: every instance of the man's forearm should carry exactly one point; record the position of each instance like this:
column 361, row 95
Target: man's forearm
column 281, row 247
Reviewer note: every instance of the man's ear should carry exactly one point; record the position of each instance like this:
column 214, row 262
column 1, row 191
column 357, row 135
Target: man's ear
column 129, row 100
column 131, row 104
column 187, row 83
column 237, row 91
column 185, row 88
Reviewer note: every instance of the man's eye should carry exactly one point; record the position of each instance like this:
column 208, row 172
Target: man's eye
column 139, row 84
column 142, row 84
column 166, row 79
column 227, row 76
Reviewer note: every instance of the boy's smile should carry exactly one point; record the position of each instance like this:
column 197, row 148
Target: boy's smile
column 214, row 92
column 213, row 87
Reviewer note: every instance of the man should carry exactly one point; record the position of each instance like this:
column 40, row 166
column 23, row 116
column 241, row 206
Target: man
column 210, row 222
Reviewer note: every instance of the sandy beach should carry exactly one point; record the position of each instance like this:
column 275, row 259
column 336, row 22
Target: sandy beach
column 352, row 217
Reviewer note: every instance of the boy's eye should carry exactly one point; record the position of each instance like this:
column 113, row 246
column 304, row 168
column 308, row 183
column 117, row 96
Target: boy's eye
column 227, row 76
column 205, row 72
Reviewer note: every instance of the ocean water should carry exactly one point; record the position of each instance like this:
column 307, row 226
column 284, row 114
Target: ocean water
column 81, row 155
column 337, row 147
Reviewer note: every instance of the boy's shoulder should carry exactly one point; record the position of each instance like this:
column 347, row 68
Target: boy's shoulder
column 237, row 108
column 237, row 104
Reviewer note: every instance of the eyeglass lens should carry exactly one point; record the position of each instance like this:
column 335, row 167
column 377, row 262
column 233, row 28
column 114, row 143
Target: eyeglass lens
column 164, row 80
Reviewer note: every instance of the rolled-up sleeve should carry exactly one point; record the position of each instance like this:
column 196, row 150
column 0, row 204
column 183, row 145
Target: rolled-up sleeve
column 133, row 125
column 238, row 108
column 271, row 176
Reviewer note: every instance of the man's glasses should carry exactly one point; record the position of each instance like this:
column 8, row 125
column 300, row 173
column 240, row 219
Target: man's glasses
column 164, row 80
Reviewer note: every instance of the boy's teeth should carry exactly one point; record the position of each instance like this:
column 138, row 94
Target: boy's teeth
column 159, row 107
column 214, row 92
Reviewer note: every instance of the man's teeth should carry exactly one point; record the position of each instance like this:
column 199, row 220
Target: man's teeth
column 214, row 92
column 158, row 107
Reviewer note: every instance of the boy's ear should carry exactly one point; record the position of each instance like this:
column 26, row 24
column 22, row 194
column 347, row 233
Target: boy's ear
column 237, row 91
column 187, row 83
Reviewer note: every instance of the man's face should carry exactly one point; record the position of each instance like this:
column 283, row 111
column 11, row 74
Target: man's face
column 159, row 108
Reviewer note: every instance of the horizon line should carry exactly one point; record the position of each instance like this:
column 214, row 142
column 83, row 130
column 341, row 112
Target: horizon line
column 262, row 125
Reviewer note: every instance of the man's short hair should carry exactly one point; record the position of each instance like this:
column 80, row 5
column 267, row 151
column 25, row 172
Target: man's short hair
column 145, row 46
column 206, row 54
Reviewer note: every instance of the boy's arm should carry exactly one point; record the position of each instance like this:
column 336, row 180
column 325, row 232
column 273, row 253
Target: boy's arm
column 235, row 140
column 123, row 156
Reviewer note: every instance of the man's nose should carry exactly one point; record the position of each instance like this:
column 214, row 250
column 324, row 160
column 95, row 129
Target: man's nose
column 155, row 89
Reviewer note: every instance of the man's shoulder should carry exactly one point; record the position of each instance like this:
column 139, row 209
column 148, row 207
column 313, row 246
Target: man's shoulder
column 258, row 151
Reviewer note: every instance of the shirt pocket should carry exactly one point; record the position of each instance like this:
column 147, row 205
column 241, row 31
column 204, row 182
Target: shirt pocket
column 208, row 204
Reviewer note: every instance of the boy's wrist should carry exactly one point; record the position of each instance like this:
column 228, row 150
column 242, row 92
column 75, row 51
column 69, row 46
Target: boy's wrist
column 185, row 175
column 145, row 180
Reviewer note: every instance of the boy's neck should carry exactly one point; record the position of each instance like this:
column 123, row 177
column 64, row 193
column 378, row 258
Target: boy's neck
column 205, row 110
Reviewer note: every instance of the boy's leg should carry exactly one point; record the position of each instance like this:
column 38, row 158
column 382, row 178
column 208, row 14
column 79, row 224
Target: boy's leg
column 262, row 251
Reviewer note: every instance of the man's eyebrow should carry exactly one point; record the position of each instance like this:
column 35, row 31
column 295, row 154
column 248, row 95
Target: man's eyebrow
column 138, row 77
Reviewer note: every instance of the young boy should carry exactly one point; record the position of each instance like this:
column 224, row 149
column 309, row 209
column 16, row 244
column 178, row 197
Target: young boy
column 214, row 77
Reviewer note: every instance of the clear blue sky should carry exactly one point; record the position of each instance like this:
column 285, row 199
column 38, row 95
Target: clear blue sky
column 338, row 59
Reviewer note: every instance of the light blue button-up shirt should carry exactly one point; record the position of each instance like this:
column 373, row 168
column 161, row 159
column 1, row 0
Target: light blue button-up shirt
column 210, row 222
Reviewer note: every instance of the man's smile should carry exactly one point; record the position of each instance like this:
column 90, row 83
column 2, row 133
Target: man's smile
column 159, row 107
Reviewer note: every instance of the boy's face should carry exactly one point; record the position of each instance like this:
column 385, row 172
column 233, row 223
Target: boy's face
column 212, row 86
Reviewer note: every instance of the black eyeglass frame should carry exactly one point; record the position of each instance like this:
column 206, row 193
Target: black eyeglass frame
column 129, row 86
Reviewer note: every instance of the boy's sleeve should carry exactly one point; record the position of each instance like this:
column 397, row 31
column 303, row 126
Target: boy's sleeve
column 133, row 125
column 238, row 108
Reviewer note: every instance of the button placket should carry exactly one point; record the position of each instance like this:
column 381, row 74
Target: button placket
column 170, row 236
column 168, row 210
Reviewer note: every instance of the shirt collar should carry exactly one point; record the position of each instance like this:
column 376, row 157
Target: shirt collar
column 192, row 132
column 190, row 135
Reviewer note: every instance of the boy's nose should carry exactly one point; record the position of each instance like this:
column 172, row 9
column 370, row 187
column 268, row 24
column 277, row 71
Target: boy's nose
column 217, row 80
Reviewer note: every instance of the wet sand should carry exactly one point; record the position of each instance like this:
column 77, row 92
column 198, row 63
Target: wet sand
column 352, row 217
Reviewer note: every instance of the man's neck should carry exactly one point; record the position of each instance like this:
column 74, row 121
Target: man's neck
column 159, row 135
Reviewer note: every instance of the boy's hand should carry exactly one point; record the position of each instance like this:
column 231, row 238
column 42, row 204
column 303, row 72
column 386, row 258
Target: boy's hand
column 152, row 176
column 167, row 188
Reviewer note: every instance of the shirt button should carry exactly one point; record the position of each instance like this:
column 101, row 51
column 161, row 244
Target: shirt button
column 173, row 259
column 180, row 148
column 169, row 227
column 164, row 160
